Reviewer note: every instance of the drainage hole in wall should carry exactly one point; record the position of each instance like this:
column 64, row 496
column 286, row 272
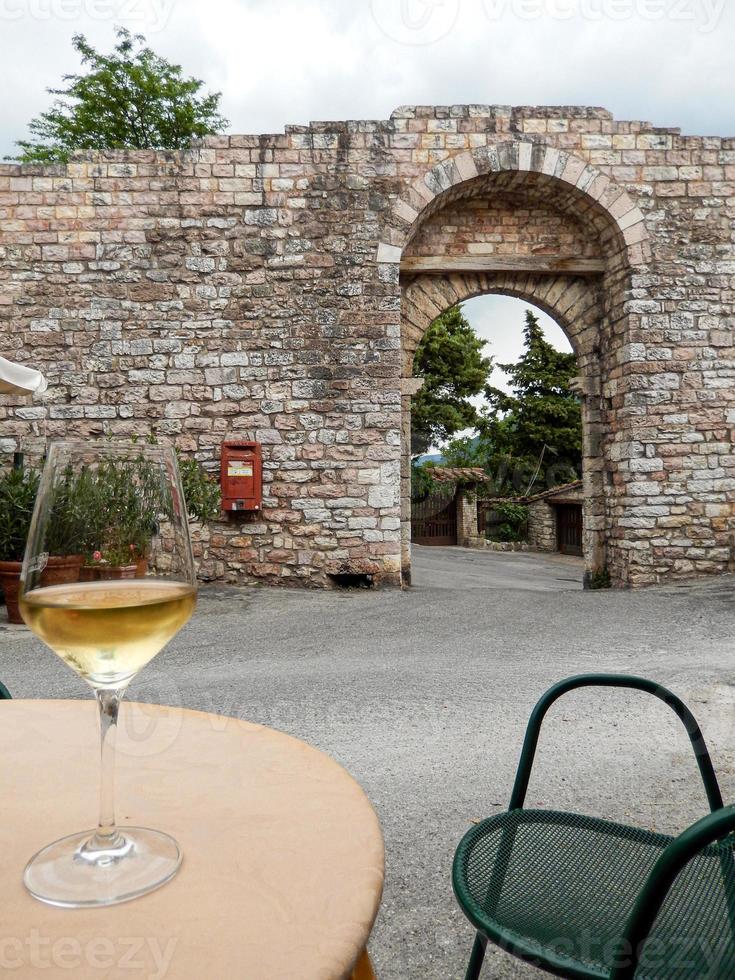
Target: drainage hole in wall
column 348, row 580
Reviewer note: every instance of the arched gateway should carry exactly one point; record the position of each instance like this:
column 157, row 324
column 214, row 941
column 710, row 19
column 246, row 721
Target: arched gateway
column 525, row 220
column 276, row 287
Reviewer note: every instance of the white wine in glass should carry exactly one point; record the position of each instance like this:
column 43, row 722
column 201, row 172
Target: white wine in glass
column 121, row 511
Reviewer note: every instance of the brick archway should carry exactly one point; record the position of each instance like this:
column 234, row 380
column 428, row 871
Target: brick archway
column 521, row 219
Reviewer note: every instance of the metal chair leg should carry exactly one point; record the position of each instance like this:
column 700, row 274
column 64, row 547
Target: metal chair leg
column 476, row 958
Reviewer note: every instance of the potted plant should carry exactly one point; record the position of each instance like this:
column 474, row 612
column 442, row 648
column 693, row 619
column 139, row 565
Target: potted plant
column 123, row 502
column 113, row 563
column 70, row 523
column 17, row 496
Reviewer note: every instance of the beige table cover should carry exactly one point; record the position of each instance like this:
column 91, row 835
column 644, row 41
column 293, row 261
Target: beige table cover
column 283, row 854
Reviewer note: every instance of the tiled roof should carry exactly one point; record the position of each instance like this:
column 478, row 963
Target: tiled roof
column 458, row 474
column 556, row 491
column 476, row 474
column 559, row 491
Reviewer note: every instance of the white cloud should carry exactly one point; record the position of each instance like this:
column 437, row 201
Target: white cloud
column 290, row 61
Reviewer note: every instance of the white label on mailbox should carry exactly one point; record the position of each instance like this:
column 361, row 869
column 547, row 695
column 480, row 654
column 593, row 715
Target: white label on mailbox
column 236, row 467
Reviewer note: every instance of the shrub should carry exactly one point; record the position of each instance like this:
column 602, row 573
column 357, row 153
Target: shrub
column 18, row 489
column 201, row 491
column 422, row 482
column 600, row 579
column 513, row 521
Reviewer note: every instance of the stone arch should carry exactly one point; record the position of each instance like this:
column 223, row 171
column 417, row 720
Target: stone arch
column 568, row 299
column 588, row 299
column 606, row 202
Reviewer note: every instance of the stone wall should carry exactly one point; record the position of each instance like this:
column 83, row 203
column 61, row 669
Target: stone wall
column 466, row 500
column 503, row 224
column 253, row 288
column 542, row 526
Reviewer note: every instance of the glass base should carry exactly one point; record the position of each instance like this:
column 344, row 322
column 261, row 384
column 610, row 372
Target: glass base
column 83, row 871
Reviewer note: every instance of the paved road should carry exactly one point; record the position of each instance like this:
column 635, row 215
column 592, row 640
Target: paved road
column 467, row 568
column 424, row 694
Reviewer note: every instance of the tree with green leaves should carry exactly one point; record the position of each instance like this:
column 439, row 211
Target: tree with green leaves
column 470, row 450
column 130, row 99
column 538, row 427
column 450, row 360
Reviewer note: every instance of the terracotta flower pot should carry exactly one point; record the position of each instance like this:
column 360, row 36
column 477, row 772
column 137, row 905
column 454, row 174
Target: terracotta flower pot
column 102, row 573
column 141, row 568
column 10, row 583
column 121, row 571
column 61, row 569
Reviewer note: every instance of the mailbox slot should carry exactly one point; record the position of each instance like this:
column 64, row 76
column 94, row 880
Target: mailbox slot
column 241, row 476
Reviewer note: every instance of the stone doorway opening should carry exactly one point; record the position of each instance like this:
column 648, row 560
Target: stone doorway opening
column 545, row 240
column 423, row 294
column 569, row 524
column 461, row 507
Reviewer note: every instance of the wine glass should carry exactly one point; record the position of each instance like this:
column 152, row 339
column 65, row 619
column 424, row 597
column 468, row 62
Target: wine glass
column 116, row 514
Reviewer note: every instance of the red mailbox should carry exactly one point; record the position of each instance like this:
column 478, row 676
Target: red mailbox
column 241, row 476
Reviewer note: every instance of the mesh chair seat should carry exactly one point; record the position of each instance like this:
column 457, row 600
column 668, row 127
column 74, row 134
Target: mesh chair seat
column 557, row 889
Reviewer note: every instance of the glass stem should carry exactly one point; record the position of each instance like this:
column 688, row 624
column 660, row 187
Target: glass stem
column 108, row 702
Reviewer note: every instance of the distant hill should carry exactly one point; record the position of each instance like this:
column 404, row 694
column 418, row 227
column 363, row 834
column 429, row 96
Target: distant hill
column 429, row 458
column 439, row 457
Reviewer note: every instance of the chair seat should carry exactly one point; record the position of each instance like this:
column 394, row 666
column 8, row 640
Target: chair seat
column 557, row 888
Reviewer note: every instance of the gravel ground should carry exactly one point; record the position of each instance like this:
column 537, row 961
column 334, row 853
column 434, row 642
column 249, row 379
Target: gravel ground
column 423, row 695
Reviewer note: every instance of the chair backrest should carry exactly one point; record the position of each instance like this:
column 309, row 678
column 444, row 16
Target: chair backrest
column 530, row 742
column 4, row 693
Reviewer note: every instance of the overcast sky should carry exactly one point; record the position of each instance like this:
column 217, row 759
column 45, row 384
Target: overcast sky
column 290, row 61
column 670, row 62
column 500, row 320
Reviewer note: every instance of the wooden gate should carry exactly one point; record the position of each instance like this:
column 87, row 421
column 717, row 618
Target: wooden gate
column 434, row 519
column 569, row 528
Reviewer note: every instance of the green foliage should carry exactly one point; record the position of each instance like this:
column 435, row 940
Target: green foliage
column 449, row 359
column 465, row 451
column 540, row 422
column 201, row 491
column 113, row 508
column 72, row 527
column 422, row 482
column 18, row 489
column 600, row 579
column 514, row 514
column 125, row 507
column 130, row 99
column 513, row 522
column 477, row 451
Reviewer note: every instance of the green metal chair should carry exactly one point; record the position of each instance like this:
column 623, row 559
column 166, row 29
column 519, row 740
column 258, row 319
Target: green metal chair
column 4, row 693
column 588, row 899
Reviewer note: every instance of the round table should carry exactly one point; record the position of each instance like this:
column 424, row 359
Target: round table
column 283, row 854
